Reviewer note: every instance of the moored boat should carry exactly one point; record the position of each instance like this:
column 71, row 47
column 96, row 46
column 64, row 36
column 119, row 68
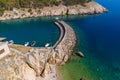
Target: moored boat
column 33, row 43
column 26, row 44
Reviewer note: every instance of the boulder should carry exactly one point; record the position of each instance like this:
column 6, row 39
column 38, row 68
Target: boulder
column 83, row 79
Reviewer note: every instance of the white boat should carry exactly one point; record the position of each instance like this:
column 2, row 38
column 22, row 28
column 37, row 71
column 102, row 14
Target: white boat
column 10, row 42
column 26, row 44
column 47, row 45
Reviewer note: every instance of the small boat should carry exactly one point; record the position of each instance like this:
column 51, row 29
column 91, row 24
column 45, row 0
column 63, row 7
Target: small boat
column 26, row 44
column 33, row 43
column 10, row 42
column 80, row 54
column 47, row 45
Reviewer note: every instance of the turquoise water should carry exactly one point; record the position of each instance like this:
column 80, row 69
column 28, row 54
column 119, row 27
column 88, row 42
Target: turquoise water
column 98, row 38
column 41, row 30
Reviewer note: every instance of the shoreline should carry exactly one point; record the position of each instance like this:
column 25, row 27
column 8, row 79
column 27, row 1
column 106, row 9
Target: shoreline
column 58, row 73
column 89, row 8
column 41, row 62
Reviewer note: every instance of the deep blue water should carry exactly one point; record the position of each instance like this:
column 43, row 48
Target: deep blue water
column 102, row 31
column 98, row 37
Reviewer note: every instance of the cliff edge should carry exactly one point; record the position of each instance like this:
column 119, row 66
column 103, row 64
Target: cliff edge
column 38, row 63
column 87, row 8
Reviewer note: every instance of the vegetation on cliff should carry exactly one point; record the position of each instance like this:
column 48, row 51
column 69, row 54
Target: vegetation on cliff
column 10, row 4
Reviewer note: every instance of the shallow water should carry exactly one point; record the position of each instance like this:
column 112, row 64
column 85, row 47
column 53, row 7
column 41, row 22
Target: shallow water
column 98, row 38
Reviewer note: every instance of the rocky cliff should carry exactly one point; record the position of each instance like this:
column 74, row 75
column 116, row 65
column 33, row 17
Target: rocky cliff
column 39, row 63
column 14, row 67
column 88, row 8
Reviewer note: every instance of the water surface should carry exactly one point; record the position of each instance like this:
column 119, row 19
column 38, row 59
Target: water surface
column 99, row 39
column 42, row 30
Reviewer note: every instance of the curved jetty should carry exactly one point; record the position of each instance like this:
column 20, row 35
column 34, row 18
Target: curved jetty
column 58, row 54
column 40, row 63
column 67, row 39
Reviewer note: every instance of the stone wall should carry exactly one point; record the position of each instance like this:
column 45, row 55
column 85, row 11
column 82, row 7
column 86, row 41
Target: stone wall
column 65, row 47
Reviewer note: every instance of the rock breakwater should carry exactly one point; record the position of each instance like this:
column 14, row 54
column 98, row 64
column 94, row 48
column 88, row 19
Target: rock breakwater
column 39, row 63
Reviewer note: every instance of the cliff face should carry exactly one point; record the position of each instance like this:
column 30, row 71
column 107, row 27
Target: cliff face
column 39, row 63
column 13, row 67
column 88, row 8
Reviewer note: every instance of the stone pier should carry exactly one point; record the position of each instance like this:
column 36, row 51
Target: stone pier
column 58, row 54
column 66, row 42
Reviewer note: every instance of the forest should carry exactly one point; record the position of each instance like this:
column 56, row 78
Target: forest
column 10, row 4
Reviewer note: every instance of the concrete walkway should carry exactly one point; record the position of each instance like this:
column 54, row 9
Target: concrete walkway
column 62, row 33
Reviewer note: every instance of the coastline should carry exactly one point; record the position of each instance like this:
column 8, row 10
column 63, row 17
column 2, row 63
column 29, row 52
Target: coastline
column 58, row 73
column 95, row 24
column 41, row 62
column 88, row 8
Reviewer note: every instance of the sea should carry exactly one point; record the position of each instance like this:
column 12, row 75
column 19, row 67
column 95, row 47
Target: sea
column 98, row 38
column 40, row 30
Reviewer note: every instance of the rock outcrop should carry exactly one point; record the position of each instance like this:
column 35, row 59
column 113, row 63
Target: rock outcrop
column 88, row 8
column 39, row 63
column 14, row 67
